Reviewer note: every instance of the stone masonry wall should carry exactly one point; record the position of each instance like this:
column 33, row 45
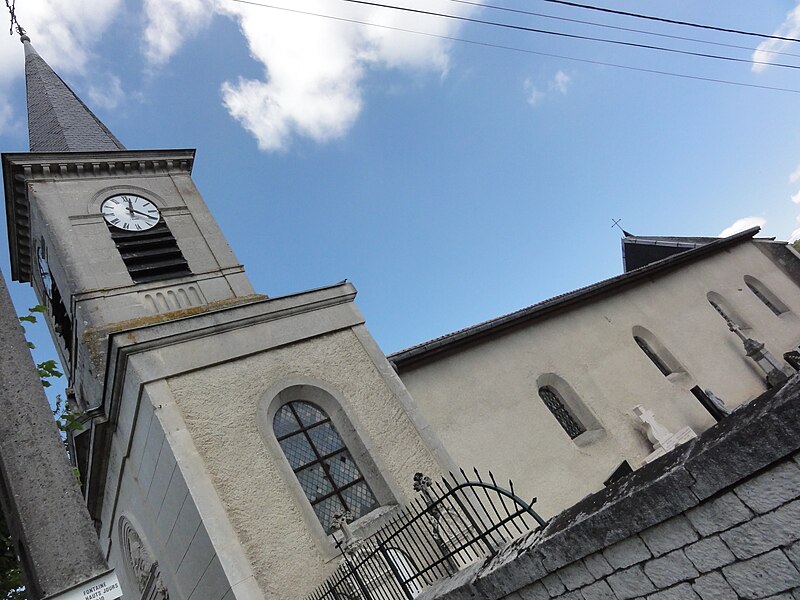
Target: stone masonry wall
column 717, row 519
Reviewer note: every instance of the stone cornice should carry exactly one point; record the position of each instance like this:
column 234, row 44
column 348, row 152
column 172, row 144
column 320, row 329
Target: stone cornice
column 20, row 168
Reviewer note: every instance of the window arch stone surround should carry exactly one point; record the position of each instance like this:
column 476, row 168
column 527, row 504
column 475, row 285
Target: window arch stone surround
column 659, row 350
column 357, row 442
column 765, row 295
column 722, row 307
column 574, row 404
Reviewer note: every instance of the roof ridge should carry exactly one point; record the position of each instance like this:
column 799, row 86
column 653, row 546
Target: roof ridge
column 437, row 343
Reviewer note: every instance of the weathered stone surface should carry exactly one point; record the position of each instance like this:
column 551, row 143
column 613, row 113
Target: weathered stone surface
column 766, row 532
column 793, row 552
column 597, row 565
column 513, row 574
column 670, row 569
column 679, row 592
column 630, row 583
column 679, row 558
column 709, row 554
column 672, row 534
column 771, row 489
column 763, row 575
column 575, row 575
column 44, row 506
column 718, row 515
column 713, row 587
column 645, row 498
column 764, row 434
column 626, row 553
column 554, row 585
column 598, row 591
column 537, row 591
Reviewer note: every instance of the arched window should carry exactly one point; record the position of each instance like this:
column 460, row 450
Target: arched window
column 656, row 352
column 722, row 307
column 762, row 292
column 323, row 465
column 552, row 400
column 655, row 358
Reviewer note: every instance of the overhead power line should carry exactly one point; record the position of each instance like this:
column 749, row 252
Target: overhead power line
column 524, row 50
column 563, row 34
column 672, row 21
column 618, row 27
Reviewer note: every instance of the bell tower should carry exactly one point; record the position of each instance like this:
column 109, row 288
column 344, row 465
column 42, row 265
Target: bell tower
column 222, row 430
column 90, row 268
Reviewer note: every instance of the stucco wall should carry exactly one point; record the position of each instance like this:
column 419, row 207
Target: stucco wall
column 483, row 400
column 220, row 407
column 716, row 519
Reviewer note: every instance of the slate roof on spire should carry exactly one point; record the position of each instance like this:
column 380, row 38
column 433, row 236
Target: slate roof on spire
column 58, row 121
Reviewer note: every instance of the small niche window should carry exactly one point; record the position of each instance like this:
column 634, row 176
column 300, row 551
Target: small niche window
column 554, row 403
column 656, row 352
column 322, row 463
column 654, row 358
column 719, row 304
column 762, row 292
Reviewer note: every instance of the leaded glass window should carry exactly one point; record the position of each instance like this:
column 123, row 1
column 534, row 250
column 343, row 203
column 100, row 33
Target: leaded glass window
column 553, row 402
column 655, row 358
column 324, row 467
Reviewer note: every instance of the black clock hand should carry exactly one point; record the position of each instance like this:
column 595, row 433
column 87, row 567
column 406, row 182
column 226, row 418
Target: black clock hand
column 133, row 210
column 130, row 206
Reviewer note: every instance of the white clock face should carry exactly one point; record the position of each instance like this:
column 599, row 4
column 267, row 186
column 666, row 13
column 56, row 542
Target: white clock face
column 129, row 212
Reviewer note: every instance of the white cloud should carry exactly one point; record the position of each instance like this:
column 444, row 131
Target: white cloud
column 107, row 94
column 789, row 28
column 170, row 23
column 62, row 32
column 796, row 198
column 6, row 114
column 59, row 29
column 313, row 67
column 533, row 95
column 560, row 82
column 557, row 85
column 795, row 235
column 795, row 176
column 743, row 224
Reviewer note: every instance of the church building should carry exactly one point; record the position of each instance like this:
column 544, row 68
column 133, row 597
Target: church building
column 224, row 431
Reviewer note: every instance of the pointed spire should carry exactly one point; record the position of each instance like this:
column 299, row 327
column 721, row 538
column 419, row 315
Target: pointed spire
column 58, row 121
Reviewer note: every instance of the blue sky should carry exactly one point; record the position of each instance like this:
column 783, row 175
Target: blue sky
column 450, row 182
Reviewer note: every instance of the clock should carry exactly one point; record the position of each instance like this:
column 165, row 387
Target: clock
column 130, row 212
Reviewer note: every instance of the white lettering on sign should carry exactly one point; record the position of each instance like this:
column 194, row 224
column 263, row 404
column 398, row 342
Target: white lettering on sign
column 105, row 587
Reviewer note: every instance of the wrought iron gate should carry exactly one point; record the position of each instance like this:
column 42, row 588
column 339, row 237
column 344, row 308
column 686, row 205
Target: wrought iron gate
column 453, row 523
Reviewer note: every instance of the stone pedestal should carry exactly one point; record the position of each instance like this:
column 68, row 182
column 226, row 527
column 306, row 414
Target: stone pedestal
column 662, row 439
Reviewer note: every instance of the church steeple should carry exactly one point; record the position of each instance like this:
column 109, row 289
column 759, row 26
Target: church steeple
column 58, row 121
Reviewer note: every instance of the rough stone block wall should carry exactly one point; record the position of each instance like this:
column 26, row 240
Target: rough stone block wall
column 718, row 519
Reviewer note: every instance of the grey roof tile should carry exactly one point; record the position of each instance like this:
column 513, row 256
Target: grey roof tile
column 58, row 121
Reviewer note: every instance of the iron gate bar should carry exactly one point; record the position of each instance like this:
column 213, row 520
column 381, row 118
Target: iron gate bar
column 488, row 543
column 471, row 525
column 441, row 531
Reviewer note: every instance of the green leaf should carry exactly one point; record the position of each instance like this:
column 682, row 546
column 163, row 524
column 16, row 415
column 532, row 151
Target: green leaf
column 39, row 308
column 28, row 319
column 31, row 345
